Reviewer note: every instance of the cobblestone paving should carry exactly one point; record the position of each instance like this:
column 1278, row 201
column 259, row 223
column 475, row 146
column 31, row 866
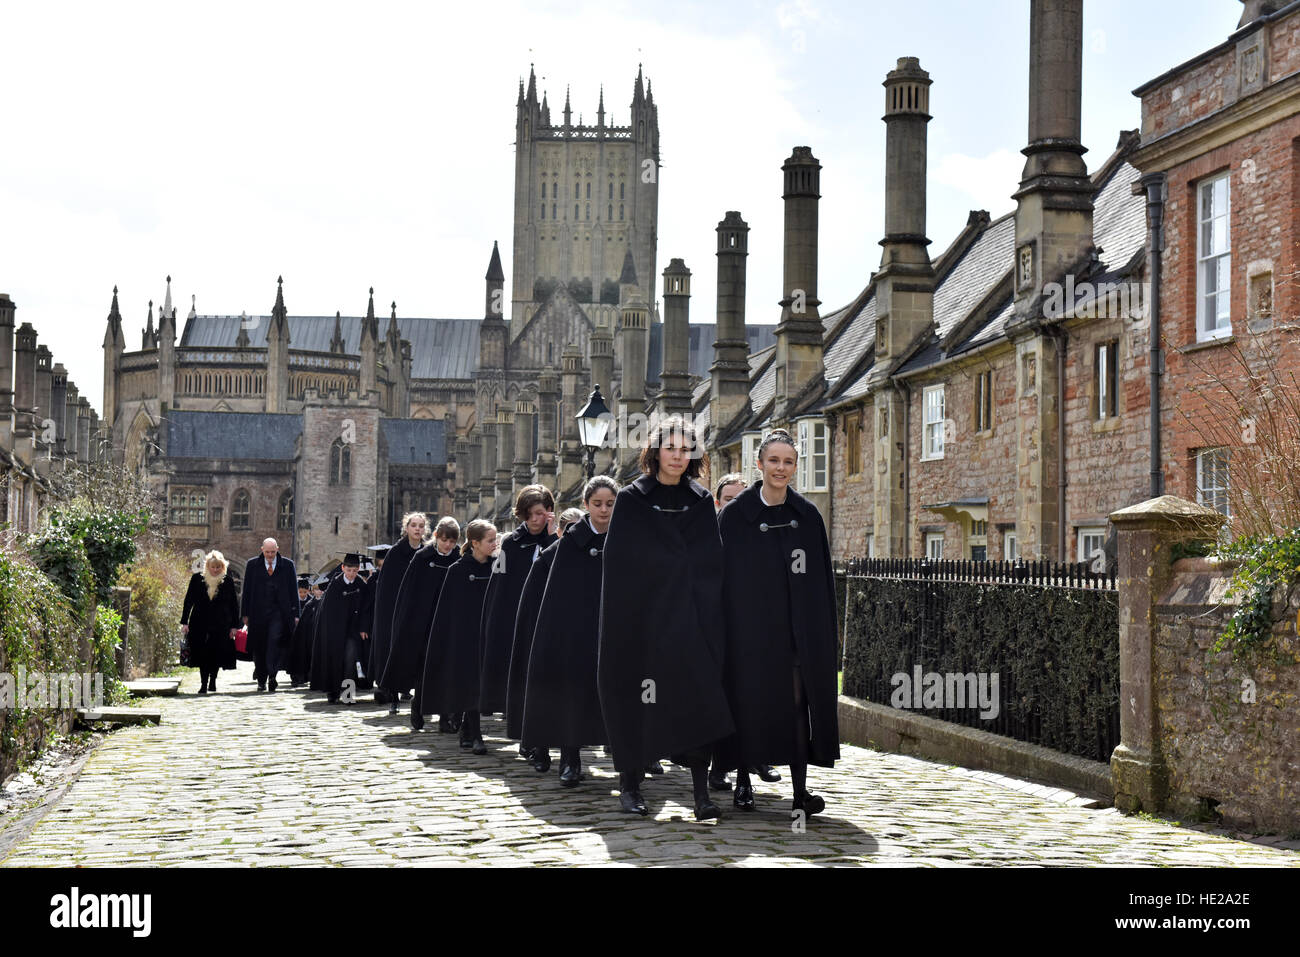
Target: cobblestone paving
column 240, row 778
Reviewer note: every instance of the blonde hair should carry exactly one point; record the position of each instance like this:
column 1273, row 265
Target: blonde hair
column 568, row 517
column 476, row 531
column 409, row 517
column 447, row 527
column 213, row 582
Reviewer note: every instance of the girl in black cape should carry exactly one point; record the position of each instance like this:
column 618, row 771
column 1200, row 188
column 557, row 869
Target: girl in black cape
column 413, row 614
column 451, row 661
column 562, row 705
column 209, row 618
column 299, row 659
column 779, row 600
column 530, row 602
column 661, row 629
column 342, row 631
column 386, row 588
column 534, row 510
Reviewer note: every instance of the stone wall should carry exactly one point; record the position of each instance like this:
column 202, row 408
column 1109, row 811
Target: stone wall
column 1229, row 726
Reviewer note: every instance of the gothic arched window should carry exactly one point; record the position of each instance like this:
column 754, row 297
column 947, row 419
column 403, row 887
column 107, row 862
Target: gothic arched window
column 621, row 188
column 284, row 513
column 610, row 213
column 241, row 510
column 589, row 191
column 575, row 212
column 340, row 463
column 552, row 210
column 620, row 212
column 611, row 189
column 543, row 210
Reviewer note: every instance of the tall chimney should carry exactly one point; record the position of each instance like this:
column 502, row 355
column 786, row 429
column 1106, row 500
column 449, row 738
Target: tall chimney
column 525, row 418
column 58, row 400
column 675, row 379
column 572, row 455
column 25, row 377
column 487, row 483
column 70, row 404
column 505, row 455
column 6, row 355
column 45, row 425
column 548, row 433
column 799, row 333
column 600, row 349
column 730, row 370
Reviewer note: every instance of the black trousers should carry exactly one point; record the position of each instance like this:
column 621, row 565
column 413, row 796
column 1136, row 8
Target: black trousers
column 266, row 660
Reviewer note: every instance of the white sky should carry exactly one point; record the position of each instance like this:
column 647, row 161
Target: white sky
column 345, row 146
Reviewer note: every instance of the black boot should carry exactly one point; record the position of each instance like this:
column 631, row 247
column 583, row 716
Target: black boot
column 743, row 799
column 570, row 767
column 766, row 773
column 654, row 767
column 718, row 780
column 809, row 803
column 705, row 809
column 541, row 760
column 417, row 720
column 444, row 725
column 629, row 783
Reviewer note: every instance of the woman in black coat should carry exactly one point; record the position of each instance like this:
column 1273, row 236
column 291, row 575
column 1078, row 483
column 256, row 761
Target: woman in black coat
column 387, row 586
column 209, row 618
column 451, row 661
column 661, row 628
column 562, row 705
column 778, row 596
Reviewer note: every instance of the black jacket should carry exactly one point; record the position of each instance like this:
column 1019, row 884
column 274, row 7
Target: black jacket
column 778, row 596
column 563, row 704
column 265, row 596
column 451, row 659
column 385, row 590
column 530, row 602
column 344, row 614
column 413, row 614
column 210, row 620
column 661, row 631
column 509, row 571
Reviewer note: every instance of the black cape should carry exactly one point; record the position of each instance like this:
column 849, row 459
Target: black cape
column 412, row 616
column 451, row 659
column 530, row 602
column 385, row 588
column 563, row 706
column 344, row 613
column 778, row 597
column 509, row 571
column 210, row 621
column 661, row 622
column 300, row 648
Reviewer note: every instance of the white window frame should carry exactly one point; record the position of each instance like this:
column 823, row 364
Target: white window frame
column 812, row 468
column 1213, row 255
column 932, row 415
column 932, row 539
column 1086, row 533
column 1212, row 479
column 871, row 544
column 749, row 443
column 1010, row 546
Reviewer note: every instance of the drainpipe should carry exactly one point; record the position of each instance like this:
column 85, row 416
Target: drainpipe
column 906, row 391
column 1062, row 340
column 1154, row 183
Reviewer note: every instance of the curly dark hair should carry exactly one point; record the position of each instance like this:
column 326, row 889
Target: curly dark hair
column 667, row 428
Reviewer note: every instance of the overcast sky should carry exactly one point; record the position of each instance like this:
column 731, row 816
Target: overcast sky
column 348, row 145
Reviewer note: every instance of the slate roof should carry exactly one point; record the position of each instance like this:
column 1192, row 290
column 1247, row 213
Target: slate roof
column 232, row 435
column 415, row 441
column 440, row 348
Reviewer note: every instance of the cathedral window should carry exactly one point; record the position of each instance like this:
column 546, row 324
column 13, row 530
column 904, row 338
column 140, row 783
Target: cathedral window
column 340, row 463
column 620, row 212
column 189, row 506
column 611, row 189
column 241, row 510
column 621, row 188
column 555, row 191
column 284, row 513
column 552, row 214
column 589, row 191
column 575, row 212
column 589, row 212
column 543, row 210
column 610, row 212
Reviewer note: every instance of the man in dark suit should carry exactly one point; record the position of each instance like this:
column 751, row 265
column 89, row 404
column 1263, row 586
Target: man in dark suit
column 269, row 606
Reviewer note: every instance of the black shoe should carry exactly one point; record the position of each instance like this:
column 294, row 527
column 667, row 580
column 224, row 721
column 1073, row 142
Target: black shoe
column 392, row 707
column 212, row 686
column 654, row 767
column 766, row 773
column 743, row 798
column 453, row 723
column 466, row 743
column 706, row 810
column 718, row 781
column 332, row 699
column 203, row 689
column 527, row 754
column 444, row 726
column 406, row 696
column 809, row 803
column 417, row 721
column 570, row 775
column 632, row 802
column 261, row 685
column 541, row 760
column 478, row 747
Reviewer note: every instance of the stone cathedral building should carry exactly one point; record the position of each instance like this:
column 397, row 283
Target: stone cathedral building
column 323, row 430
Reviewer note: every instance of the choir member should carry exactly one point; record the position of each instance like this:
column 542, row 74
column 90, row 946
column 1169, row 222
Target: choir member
column 779, row 606
column 343, row 631
column 386, row 585
column 299, row 660
column 661, row 629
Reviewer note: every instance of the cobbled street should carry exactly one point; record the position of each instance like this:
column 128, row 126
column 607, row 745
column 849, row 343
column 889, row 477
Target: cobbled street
column 241, row 778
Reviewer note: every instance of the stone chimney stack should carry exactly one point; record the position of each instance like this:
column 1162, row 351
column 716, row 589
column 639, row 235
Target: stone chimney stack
column 25, row 377
column 487, row 484
column 44, row 388
column 600, row 348
column 548, row 434
column 525, row 452
column 799, row 334
column 675, row 379
column 71, row 400
column 505, row 455
column 58, row 401
column 6, row 356
column 572, row 455
column 730, row 370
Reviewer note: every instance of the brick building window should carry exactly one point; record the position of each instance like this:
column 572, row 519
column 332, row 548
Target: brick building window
column 284, row 512
column 812, row 455
column 1213, row 259
column 241, row 510
column 340, row 463
column 749, row 444
column 1010, row 546
column 934, row 546
column 189, row 506
column 932, row 435
column 984, row 402
column 853, row 444
column 1212, row 479
column 1091, row 540
column 1106, row 381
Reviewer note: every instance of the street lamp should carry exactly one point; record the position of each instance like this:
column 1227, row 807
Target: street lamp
column 593, row 426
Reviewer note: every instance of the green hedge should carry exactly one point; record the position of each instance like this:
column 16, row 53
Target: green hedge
column 1055, row 651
